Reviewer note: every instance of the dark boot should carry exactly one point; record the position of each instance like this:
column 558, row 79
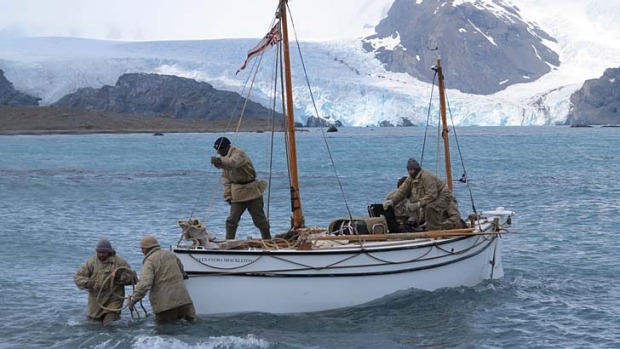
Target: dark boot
column 230, row 233
column 264, row 233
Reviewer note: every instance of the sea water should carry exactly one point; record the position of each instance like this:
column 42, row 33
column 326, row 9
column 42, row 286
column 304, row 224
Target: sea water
column 60, row 194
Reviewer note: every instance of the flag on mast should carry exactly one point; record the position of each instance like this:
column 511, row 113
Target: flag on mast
column 269, row 40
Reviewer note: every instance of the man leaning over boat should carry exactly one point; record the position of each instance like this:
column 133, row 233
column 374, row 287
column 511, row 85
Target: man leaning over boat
column 162, row 277
column 408, row 214
column 242, row 190
column 433, row 197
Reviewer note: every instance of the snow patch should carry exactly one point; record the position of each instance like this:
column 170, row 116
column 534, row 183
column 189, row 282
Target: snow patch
column 483, row 34
column 389, row 42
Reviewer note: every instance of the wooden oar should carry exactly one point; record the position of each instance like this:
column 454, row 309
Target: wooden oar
column 403, row 236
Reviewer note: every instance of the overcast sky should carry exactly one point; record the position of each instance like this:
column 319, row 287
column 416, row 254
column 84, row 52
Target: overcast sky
column 212, row 19
column 182, row 19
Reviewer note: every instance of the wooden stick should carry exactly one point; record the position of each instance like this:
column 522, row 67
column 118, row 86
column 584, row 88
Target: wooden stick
column 403, row 236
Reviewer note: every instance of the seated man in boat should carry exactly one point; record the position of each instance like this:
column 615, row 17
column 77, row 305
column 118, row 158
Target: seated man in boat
column 242, row 190
column 408, row 214
column 433, row 197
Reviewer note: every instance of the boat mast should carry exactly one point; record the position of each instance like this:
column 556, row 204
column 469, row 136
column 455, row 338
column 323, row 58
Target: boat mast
column 297, row 219
column 444, row 123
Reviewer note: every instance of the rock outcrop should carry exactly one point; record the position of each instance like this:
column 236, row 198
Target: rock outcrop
column 153, row 94
column 314, row 121
column 597, row 102
column 10, row 97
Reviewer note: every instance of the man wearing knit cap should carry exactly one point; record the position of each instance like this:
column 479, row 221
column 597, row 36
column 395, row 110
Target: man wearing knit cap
column 163, row 275
column 104, row 276
column 242, row 190
column 433, row 197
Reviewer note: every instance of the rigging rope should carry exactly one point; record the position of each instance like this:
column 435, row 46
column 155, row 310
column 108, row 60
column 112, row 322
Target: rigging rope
column 428, row 118
column 329, row 152
column 458, row 146
column 247, row 86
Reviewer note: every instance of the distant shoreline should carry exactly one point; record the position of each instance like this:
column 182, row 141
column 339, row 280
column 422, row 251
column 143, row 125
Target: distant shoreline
column 78, row 132
column 64, row 121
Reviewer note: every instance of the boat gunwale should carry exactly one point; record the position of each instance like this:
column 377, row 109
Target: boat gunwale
column 330, row 251
column 386, row 272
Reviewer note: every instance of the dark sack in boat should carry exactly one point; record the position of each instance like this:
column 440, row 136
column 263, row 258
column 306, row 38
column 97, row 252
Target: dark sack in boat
column 361, row 226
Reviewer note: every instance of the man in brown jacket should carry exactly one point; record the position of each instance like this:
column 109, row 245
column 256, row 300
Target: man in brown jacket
column 163, row 275
column 242, row 190
column 406, row 210
column 433, row 196
column 104, row 276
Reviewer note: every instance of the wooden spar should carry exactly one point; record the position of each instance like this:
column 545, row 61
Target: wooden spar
column 444, row 122
column 297, row 219
column 404, row 236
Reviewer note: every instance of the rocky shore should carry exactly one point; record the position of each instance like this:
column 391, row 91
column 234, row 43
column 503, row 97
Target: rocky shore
column 57, row 120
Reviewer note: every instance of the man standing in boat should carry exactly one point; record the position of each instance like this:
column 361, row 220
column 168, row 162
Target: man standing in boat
column 242, row 190
column 104, row 276
column 433, row 196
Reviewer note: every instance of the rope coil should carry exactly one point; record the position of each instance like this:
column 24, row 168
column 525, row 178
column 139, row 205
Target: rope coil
column 110, row 279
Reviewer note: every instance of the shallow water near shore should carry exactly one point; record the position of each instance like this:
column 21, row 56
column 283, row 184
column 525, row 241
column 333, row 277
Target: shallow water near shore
column 62, row 193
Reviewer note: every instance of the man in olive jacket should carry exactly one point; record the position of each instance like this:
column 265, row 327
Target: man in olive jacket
column 104, row 276
column 433, row 196
column 163, row 275
column 406, row 210
column 242, row 190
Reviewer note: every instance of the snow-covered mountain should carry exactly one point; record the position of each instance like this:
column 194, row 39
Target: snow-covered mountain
column 485, row 46
column 349, row 84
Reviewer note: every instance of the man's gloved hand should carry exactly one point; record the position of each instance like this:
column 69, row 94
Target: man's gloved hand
column 387, row 204
column 91, row 285
column 131, row 304
column 229, row 201
column 216, row 161
column 413, row 206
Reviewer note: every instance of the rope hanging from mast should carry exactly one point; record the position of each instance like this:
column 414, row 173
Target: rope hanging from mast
column 444, row 109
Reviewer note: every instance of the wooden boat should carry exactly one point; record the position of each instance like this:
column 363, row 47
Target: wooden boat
column 353, row 261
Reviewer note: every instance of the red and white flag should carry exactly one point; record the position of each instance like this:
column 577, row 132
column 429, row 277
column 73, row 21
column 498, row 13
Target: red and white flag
column 269, row 40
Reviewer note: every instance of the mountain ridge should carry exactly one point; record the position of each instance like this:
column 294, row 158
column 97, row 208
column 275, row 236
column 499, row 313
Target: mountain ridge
column 350, row 85
column 154, row 94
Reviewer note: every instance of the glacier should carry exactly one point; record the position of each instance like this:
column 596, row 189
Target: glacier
column 348, row 84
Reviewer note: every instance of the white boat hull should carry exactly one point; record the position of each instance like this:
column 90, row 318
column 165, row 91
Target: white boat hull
column 292, row 281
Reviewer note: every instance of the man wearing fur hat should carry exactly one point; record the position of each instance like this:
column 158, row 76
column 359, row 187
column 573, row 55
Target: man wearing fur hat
column 163, row 276
column 104, row 276
column 433, row 197
column 242, row 190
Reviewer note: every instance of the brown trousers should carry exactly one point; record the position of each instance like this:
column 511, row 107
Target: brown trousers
column 184, row 312
column 443, row 214
column 255, row 207
column 107, row 318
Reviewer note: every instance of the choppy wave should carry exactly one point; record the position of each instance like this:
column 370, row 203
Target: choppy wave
column 61, row 194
